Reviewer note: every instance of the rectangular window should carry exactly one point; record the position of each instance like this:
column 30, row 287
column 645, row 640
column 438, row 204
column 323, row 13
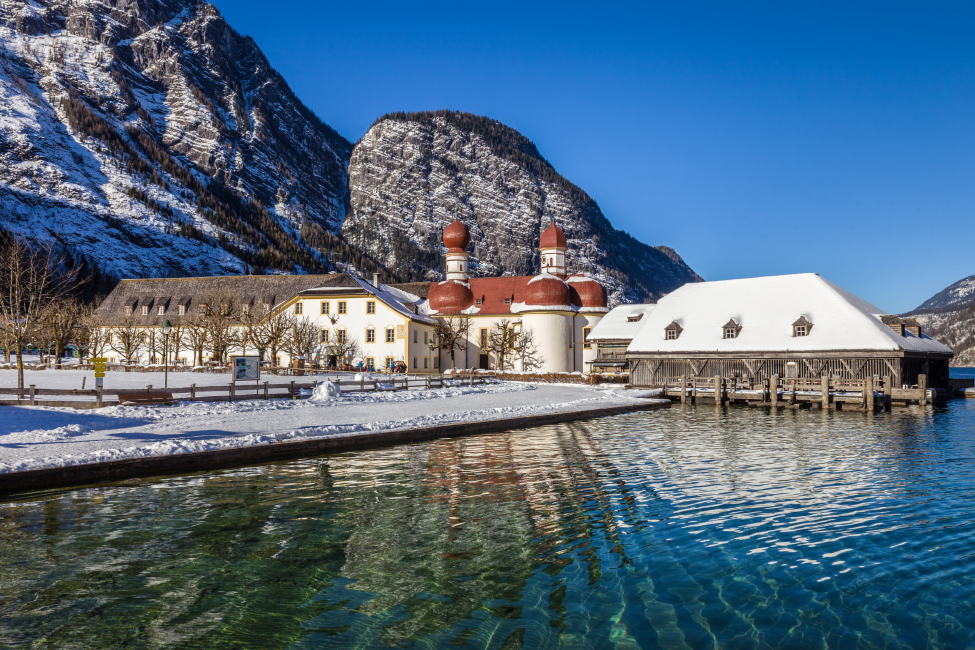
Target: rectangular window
column 145, row 310
column 325, row 308
column 507, row 301
column 414, row 363
column 389, row 363
column 730, row 332
column 370, row 362
column 585, row 338
column 245, row 309
column 415, row 335
column 390, row 335
column 370, row 335
column 182, row 310
column 800, row 330
column 371, row 307
column 297, row 308
column 161, row 310
column 436, row 363
column 341, row 307
column 484, row 338
column 323, row 336
column 478, row 302
column 426, row 360
column 671, row 335
column 128, row 310
column 340, row 336
column 426, row 337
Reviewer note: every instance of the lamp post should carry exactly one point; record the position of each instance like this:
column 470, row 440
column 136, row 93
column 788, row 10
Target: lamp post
column 167, row 327
column 432, row 346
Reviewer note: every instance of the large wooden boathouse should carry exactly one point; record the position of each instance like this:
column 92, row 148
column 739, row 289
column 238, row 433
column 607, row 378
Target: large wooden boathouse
column 790, row 327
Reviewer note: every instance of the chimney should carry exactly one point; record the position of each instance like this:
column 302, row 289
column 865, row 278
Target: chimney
column 375, row 280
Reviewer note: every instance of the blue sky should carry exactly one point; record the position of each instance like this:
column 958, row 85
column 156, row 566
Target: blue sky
column 754, row 138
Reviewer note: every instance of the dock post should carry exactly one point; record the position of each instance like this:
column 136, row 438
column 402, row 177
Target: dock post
column 694, row 390
column 922, row 383
column 192, row 392
column 230, row 393
column 792, row 394
column 683, row 389
column 98, row 397
column 774, row 390
column 887, row 389
column 825, row 385
column 868, row 393
column 717, row 390
column 265, row 390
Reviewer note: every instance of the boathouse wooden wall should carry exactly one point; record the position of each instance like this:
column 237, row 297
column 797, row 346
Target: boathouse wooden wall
column 648, row 371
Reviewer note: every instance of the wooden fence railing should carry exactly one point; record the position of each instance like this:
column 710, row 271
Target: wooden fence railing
column 230, row 392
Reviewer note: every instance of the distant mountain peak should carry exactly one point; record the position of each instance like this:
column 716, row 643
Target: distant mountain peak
column 413, row 173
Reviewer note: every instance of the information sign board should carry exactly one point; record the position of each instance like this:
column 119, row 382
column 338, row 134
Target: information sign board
column 247, row 368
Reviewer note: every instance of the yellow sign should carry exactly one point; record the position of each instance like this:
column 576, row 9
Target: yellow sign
column 99, row 360
column 99, row 374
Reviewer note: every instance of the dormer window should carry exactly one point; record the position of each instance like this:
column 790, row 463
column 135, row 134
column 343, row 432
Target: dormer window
column 128, row 310
column 801, row 327
column 182, row 310
column 634, row 319
column 479, row 302
column 145, row 310
column 672, row 331
column 507, row 301
column 730, row 329
column 160, row 310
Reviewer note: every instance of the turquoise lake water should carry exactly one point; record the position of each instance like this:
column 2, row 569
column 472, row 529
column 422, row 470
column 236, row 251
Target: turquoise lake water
column 697, row 527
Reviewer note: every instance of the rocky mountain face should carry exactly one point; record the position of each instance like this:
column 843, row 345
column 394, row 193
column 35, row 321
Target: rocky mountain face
column 152, row 139
column 412, row 174
column 949, row 316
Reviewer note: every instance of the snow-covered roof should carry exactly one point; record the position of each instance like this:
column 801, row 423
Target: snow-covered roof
column 766, row 309
column 394, row 299
column 616, row 325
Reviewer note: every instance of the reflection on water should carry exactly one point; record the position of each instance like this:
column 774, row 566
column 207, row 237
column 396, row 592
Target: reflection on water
column 696, row 527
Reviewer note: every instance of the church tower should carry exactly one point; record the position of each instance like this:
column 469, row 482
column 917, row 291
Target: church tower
column 456, row 239
column 552, row 246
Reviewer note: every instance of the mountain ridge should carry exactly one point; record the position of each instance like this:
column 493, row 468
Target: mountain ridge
column 153, row 139
column 949, row 316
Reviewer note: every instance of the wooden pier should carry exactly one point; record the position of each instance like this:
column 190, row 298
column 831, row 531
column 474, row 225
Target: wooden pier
column 869, row 394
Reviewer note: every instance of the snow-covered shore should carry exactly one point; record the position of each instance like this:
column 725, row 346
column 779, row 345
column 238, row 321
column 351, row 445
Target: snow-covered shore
column 40, row 437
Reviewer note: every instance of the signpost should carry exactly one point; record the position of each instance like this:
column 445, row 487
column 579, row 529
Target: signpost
column 247, row 368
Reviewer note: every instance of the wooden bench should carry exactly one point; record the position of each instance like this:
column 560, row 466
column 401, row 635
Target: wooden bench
column 146, row 399
column 294, row 392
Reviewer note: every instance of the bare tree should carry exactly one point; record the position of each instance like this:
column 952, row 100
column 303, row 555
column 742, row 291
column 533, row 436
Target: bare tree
column 502, row 339
column 176, row 338
column 91, row 337
column 126, row 338
column 251, row 321
column 220, row 315
column 301, row 338
column 32, row 275
column 273, row 332
column 61, row 319
column 195, row 337
column 453, row 333
column 526, row 349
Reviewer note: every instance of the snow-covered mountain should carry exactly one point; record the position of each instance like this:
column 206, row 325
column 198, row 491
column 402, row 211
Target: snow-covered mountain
column 412, row 174
column 949, row 316
column 153, row 139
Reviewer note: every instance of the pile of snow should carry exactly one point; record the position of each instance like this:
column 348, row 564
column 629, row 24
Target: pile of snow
column 326, row 391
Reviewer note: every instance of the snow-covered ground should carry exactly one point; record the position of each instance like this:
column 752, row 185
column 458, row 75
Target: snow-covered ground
column 38, row 437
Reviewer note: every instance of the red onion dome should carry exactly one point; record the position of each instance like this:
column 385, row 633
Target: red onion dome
column 553, row 237
column 456, row 237
column 586, row 292
column 546, row 291
column 450, row 297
